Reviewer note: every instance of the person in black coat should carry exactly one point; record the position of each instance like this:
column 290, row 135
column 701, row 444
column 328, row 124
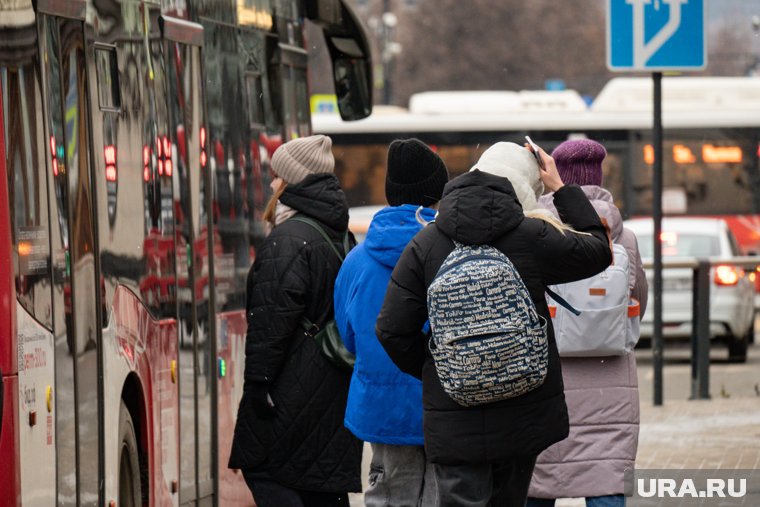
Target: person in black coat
column 289, row 439
column 484, row 455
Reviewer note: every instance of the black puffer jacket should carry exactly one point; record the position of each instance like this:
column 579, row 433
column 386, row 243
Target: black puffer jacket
column 305, row 446
column 479, row 208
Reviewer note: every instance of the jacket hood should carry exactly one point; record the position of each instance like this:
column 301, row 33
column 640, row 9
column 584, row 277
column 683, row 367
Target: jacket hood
column 478, row 208
column 603, row 203
column 320, row 197
column 519, row 166
column 391, row 230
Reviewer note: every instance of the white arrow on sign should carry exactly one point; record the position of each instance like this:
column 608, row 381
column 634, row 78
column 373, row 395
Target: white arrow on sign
column 642, row 50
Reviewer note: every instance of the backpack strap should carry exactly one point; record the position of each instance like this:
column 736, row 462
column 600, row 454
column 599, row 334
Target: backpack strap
column 562, row 302
column 321, row 231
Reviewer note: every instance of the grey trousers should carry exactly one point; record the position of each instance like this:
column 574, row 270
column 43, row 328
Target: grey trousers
column 399, row 477
column 502, row 484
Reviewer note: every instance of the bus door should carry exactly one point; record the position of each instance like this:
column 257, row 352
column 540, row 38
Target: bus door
column 187, row 129
column 76, row 293
column 27, row 445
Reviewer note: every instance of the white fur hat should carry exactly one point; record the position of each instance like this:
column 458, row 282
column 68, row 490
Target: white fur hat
column 517, row 164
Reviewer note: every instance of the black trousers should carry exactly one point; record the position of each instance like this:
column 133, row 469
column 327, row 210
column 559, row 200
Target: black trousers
column 269, row 493
column 502, row 484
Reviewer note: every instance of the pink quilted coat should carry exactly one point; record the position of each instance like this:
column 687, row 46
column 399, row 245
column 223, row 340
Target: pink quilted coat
column 602, row 398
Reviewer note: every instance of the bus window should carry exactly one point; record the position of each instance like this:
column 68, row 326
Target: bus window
column 84, row 295
column 108, row 78
column 295, row 102
column 157, row 284
column 713, row 174
column 289, row 24
column 25, row 154
column 58, row 190
column 255, row 96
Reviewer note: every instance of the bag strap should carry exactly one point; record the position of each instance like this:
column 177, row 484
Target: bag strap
column 308, row 326
column 321, row 231
column 562, row 302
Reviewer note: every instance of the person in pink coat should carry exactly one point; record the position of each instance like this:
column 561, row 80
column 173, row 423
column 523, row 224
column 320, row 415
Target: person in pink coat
column 601, row 392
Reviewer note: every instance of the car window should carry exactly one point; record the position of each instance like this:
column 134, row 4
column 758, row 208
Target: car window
column 676, row 244
column 735, row 250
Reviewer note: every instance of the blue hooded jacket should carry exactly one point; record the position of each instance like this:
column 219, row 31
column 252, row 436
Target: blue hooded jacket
column 384, row 404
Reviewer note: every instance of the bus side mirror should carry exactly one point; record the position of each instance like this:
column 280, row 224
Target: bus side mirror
column 352, row 87
column 350, row 54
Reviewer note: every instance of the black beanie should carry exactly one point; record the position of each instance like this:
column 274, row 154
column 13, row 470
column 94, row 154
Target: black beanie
column 416, row 174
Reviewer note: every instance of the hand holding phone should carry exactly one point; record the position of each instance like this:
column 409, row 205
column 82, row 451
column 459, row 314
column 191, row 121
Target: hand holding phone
column 548, row 173
column 536, row 153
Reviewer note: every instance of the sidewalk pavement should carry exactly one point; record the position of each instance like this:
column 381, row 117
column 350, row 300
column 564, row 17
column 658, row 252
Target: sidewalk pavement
column 721, row 433
column 705, row 434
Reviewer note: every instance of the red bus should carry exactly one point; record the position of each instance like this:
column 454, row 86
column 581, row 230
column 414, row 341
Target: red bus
column 134, row 146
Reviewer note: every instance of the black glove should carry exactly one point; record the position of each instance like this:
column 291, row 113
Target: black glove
column 258, row 394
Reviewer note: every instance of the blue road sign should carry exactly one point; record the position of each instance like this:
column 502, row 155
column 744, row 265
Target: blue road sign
column 656, row 35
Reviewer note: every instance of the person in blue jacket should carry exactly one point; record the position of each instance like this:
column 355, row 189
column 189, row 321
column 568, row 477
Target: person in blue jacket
column 384, row 404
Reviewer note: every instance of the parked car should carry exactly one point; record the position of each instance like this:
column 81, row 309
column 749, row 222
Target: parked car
column 732, row 313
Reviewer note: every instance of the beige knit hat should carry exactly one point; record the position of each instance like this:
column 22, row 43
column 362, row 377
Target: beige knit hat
column 296, row 159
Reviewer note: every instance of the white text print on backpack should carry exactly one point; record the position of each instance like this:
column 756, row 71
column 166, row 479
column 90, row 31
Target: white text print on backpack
column 488, row 342
column 608, row 323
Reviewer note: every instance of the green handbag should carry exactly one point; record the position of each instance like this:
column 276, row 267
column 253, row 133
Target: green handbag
column 329, row 341
column 328, row 338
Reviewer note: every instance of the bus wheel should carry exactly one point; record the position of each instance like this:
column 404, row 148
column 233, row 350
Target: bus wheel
column 130, row 494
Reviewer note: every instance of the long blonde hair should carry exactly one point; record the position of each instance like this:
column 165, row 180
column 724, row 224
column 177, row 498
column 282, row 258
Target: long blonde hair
column 271, row 210
column 546, row 216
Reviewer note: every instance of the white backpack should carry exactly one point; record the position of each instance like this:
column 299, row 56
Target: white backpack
column 607, row 322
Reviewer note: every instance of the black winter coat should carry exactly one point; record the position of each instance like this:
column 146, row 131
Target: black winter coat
column 479, row 208
column 305, row 446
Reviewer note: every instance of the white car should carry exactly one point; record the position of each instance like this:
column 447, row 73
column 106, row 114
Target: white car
column 731, row 292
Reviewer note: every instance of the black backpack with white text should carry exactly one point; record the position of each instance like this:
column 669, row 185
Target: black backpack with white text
column 488, row 342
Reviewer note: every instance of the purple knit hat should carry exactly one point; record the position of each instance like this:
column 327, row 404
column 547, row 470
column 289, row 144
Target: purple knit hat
column 580, row 161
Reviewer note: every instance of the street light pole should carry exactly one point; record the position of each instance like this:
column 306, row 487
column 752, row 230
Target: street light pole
column 384, row 28
column 386, row 56
column 754, row 66
column 389, row 49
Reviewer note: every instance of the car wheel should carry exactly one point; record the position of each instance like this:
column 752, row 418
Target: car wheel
column 737, row 345
column 130, row 489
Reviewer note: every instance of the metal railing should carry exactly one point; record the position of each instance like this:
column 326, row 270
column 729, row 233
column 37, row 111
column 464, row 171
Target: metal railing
column 700, row 331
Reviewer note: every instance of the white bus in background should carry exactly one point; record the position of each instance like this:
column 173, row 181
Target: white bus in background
column 711, row 141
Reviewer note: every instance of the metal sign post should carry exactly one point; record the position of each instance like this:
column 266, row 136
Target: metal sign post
column 661, row 36
column 657, row 345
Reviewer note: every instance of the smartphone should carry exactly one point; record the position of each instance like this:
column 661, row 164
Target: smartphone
column 536, row 152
